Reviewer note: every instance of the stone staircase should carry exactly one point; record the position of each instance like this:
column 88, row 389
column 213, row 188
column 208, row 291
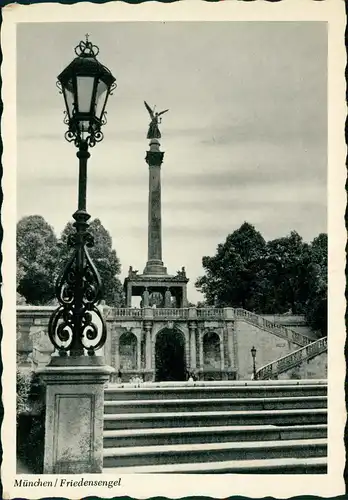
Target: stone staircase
column 216, row 427
column 281, row 331
column 292, row 360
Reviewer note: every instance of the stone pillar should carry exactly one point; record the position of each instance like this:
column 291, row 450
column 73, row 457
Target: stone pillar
column 184, row 297
column 129, row 295
column 193, row 361
column 74, row 414
column 230, row 332
column 154, row 158
column 147, row 328
column 139, row 353
column 117, row 350
column 200, row 346
column 222, row 355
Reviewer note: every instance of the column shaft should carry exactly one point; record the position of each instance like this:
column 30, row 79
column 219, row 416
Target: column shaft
column 154, row 158
column 155, row 219
column 229, row 328
column 222, row 355
column 129, row 295
column 117, row 352
column 200, row 341
column 148, row 346
column 193, row 346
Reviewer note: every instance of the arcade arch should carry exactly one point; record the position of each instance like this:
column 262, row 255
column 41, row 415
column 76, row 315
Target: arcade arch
column 170, row 359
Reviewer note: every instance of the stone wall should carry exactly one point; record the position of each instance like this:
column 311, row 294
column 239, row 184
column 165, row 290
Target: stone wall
column 268, row 348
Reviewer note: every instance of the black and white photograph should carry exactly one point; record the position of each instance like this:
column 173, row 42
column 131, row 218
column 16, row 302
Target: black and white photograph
column 173, row 228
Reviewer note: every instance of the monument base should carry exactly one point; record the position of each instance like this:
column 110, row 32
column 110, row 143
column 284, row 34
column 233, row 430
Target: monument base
column 155, row 267
column 74, row 414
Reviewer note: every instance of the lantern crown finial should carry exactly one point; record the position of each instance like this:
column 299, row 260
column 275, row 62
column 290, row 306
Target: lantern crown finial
column 86, row 48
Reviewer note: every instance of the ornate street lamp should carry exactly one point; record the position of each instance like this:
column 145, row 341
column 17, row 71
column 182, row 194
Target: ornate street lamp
column 253, row 354
column 86, row 85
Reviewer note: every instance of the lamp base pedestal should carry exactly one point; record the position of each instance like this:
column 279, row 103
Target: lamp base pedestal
column 74, row 414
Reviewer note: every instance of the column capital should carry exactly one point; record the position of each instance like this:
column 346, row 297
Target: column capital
column 192, row 325
column 147, row 325
column 154, row 158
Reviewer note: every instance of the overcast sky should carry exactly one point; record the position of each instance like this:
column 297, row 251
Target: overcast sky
column 245, row 138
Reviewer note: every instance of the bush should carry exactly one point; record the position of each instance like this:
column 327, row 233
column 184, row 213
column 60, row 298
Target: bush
column 23, row 388
column 30, row 420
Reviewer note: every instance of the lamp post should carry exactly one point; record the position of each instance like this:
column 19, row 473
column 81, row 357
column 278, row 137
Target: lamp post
column 253, row 354
column 86, row 85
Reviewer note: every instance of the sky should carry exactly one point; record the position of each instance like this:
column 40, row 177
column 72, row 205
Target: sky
column 245, row 138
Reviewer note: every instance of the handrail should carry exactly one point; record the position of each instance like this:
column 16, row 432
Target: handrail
column 270, row 326
column 291, row 360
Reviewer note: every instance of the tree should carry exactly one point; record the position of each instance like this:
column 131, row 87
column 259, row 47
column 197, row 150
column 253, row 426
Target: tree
column 104, row 258
column 232, row 274
column 286, row 267
column 283, row 275
column 37, row 254
column 316, row 305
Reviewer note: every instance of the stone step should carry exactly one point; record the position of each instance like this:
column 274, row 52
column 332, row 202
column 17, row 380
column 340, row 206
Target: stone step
column 213, row 452
column 213, row 434
column 214, row 418
column 246, row 389
column 225, row 404
column 313, row 465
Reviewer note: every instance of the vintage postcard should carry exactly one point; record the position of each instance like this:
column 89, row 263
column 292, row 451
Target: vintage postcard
column 174, row 249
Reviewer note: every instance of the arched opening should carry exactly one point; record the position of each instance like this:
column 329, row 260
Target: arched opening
column 211, row 351
column 170, row 356
column 128, row 351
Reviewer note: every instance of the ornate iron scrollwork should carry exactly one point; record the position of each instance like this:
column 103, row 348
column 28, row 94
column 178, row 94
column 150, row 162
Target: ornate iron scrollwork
column 74, row 324
column 93, row 134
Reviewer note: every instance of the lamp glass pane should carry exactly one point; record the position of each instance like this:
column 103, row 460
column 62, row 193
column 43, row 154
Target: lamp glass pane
column 84, row 93
column 69, row 97
column 101, row 95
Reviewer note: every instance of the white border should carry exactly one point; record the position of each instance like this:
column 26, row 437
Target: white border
column 174, row 486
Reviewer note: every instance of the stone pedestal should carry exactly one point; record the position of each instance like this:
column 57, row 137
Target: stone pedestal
column 74, row 414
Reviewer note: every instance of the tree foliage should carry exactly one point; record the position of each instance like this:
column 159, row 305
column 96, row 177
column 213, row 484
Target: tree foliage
column 37, row 254
column 41, row 257
column 231, row 275
column 104, row 258
column 316, row 306
column 274, row 277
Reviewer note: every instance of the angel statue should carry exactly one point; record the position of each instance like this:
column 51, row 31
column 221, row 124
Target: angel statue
column 154, row 132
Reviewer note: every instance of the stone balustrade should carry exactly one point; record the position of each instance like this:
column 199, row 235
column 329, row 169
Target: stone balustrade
column 275, row 328
column 159, row 314
column 295, row 358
